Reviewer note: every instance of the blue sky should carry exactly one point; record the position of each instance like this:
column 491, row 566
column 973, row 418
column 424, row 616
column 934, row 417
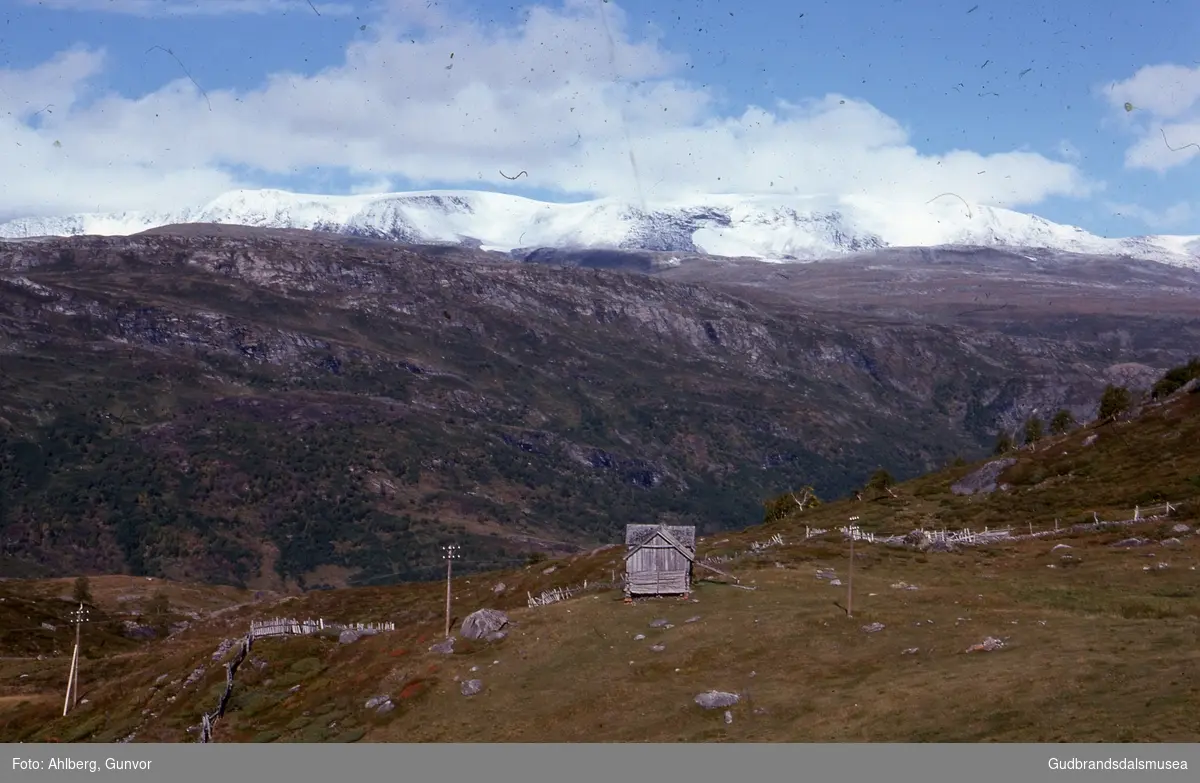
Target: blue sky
column 872, row 98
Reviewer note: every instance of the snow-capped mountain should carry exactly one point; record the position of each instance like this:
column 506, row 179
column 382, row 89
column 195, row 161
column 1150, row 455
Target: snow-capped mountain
column 773, row 228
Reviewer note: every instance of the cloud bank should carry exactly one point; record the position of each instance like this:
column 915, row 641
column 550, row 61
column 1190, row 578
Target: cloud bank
column 569, row 95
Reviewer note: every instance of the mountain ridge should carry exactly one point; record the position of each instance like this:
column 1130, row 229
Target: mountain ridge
column 763, row 227
column 307, row 408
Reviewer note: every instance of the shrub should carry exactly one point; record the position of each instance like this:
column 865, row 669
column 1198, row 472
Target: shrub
column 1115, row 401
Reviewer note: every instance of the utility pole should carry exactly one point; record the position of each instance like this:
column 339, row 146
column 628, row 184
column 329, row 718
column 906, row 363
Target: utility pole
column 451, row 551
column 72, row 697
column 850, row 573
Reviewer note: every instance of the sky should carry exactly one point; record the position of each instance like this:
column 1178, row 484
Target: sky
column 1085, row 112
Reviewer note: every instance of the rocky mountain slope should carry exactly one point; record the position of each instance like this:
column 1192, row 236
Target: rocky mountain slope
column 779, row 228
column 276, row 407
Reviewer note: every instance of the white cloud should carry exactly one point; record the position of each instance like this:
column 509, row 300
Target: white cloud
column 1177, row 215
column 568, row 95
column 1160, row 105
column 192, row 7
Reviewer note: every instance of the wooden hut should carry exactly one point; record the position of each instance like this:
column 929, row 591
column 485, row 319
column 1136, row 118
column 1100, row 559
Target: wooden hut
column 659, row 560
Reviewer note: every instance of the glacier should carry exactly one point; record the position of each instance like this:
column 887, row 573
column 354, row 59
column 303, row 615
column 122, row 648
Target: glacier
column 770, row 228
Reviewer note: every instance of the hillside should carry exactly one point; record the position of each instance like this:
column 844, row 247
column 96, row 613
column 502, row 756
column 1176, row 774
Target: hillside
column 778, row 228
column 1097, row 628
column 282, row 409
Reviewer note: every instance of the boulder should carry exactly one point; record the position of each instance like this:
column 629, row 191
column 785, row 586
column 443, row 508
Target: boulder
column 715, row 700
column 984, row 480
column 479, row 624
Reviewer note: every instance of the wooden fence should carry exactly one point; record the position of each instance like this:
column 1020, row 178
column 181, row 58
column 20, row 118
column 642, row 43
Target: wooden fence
column 553, row 596
column 968, row 537
column 209, row 718
column 291, row 627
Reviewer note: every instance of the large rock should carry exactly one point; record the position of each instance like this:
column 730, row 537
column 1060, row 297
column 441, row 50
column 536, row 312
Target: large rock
column 983, row 480
column 714, row 700
column 482, row 623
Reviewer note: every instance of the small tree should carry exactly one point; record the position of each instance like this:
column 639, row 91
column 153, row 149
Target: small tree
column 159, row 605
column 1175, row 379
column 1115, row 401
column 881, row 479
column 788, row 503
column 1033, row 430
column 1004, row 444
column 880, row 482
column 82, row 592
column 1062, row 422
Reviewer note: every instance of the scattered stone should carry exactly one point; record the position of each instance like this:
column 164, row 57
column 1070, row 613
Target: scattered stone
column 161, row 679
column 825, row 573
column 374, row 702
column 1090, row 439
column 918, row 539
column 715, row 700
column 943, row 546
column 48, row 626
column 348, row 637
column 728, row 717
column 293, row 689
column 659, row 623
column 1057, row 547
column 1155, row 567
column 658, row 647
column 835, row 583
column 471, row 687
column 385, row 708
column 1180, row 528
column 550, row 570
column 873, row 628
column 480, row 623
column 445, row 647
column 989, row 644
column 496, row 636
column 196, row 674
column 639, row 637
column 135, row 630
column 692, row 619
column 1170, row 542
column 910, row 651
column 223, row 648
column 1129, row 542
column 499, row 588
column 903, row 586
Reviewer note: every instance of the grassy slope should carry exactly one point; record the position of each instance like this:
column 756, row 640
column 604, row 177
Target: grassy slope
column 1101, row 650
